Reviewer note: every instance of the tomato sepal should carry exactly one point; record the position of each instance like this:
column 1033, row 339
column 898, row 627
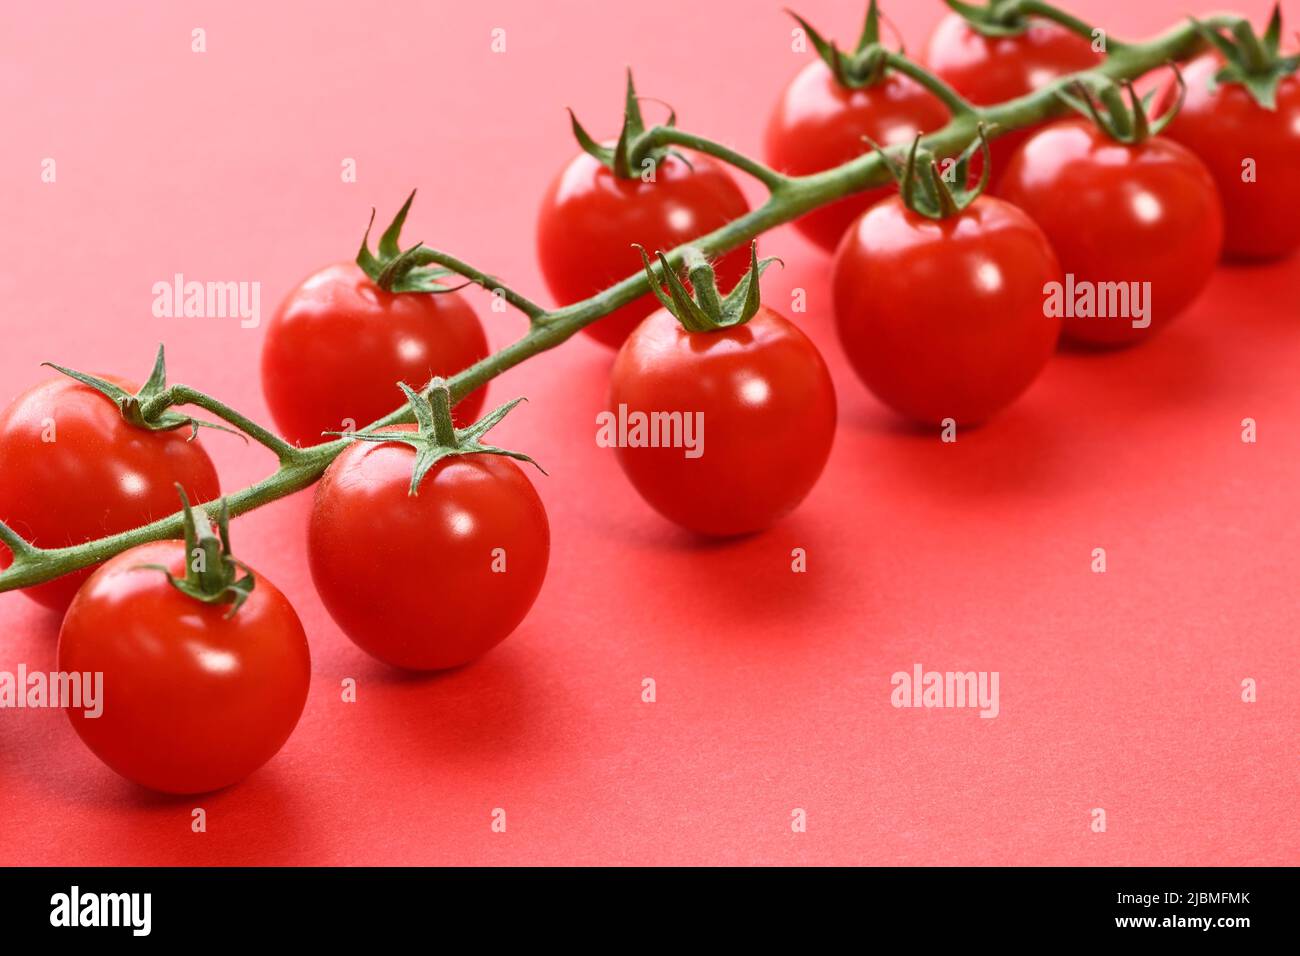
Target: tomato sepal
column 934, row 194
column 1252, row 61
column 212, row 572
column 627, row 156
column 436, row 437
column 997, row 18
column 150, row 407
column 397, row 270
column 865, row 66
column 701, row 308
column 1125, row 121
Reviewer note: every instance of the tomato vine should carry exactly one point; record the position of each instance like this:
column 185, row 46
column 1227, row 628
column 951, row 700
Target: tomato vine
column 789, row 197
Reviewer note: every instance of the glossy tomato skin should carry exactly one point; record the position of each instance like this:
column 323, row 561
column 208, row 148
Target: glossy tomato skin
column 98, row 476
column 193, row 700
column 819, row 124
column 944, row 318
column 989, row 70
column 338, row 345
column 768, row 409
column 411, row 580
column 590, row 217
column 1120, row 213
column 1224, row 128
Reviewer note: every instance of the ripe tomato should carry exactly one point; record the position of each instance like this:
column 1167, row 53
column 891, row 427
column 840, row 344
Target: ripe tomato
column 338, row 343
column 71, row 469
column 194, row 698
column 818, row 123
column 988, row 70
column 944, row 318
column 767, row 407
column 1120, row 213
column 1225, row 128
column 430, row 581
column 590, row 217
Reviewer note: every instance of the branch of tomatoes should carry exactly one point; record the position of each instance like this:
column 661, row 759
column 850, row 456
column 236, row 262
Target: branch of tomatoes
column 790, row 197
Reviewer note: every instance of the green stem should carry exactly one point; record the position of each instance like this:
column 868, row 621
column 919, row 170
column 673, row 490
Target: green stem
column 423, row 255
column 957, row 104
column 1072, row 23
column 184, row 395
column 791, row 197
column 672, row 136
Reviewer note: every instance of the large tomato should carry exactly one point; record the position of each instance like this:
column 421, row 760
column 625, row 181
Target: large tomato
column 765, row 410
column 819, row 123
column 992, row 69
column 1253, row 154
column 590, row 217
column 72, row 469
column 195, row 698
column 433, row 580
column 338, row 344
column 944, row 318
column 1119, row 213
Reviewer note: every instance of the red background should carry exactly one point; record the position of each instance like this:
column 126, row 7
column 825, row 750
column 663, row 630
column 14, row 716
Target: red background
column 1118, row 690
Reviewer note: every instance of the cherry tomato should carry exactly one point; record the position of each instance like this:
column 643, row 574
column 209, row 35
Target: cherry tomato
column 194, row 698
column 944, row 318
column 1117, row 213
column 590, row 217
column 818, row 123
column 338, row 344
column 435, row 580
column 762, row 411
column 988, row 70
column 71, row 469
column 1226, row 127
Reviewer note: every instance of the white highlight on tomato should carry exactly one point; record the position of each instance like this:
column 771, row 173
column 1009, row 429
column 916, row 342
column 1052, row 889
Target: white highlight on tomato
column 1147, row 207
column 989, row 276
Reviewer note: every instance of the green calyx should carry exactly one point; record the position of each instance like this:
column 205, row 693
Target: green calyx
column 996, row 18
column 934, row 193
column 629, row 156
column 149, row 408
column 706, row 310
column 212, row 573
column 865, row 65
column 1123, row 120
column 436, row 437
column 1250, row 60
column 395, row 270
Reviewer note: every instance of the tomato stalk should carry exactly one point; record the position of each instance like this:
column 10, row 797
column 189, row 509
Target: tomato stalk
column 212, row 573
column 1000, row 18
column 957, row 104
column 436, row 437
column 702, row 308
column 791, row 197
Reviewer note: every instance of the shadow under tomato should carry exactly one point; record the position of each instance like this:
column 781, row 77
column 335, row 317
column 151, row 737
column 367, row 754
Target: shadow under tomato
column 1014, row 453
column 741, row 580
column 485, row 709
column 1177, row 370
column 266, row 802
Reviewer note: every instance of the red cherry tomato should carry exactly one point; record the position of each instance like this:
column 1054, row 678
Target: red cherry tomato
column 590, row 218
column 1227, row 127
column 944, row 318
column 193, row 699
column 338, row 344
column 988, row 70
column 765, row 410
column 1119, row 213
column 431, row 581
column 819, row 124
column 71, row 469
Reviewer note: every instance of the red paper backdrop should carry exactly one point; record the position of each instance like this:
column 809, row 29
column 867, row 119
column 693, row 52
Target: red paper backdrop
column 1118, row 690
